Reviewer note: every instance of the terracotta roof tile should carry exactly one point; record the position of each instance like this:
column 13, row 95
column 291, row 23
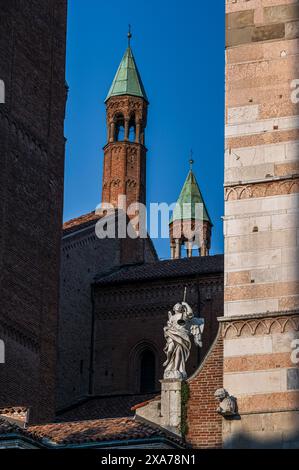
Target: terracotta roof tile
column 83, row 432
column 80, row 222
column 99, row 430
column 144, row 403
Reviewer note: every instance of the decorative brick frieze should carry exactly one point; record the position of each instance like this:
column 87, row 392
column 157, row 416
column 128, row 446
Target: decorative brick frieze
column 133, row 301
column 262, row 189
column 259, row 325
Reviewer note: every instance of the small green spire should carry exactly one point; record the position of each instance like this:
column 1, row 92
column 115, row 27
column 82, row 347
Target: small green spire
column 190, row 195
column 127, row 80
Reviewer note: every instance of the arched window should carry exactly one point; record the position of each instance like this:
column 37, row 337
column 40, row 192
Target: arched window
column 147, row 371
column 119, row 128
column 132, row 129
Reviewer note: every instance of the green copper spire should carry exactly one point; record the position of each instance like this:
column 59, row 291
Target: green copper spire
column 127, row 80
column 190, row 195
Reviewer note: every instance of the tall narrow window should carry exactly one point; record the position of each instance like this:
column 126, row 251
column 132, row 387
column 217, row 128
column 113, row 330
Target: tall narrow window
column 119, row 128
column 132, row 129
column 147, row 371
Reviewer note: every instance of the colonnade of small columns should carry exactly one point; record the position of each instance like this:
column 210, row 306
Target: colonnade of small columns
column 139, row 133
column 177, row 244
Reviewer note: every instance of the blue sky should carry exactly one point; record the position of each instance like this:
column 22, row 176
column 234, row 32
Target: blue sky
column 179, row 50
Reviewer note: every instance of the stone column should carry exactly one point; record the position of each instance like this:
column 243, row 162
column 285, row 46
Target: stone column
column 137, row 134
column 112, row 131
column 172, row 250
column 177, row 254
column 189, row 246
column 171, row 397
column 126, row 129
column 203, row 249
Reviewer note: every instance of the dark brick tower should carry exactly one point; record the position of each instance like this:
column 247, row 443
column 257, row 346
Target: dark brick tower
column 32, row 65
column 125, row 152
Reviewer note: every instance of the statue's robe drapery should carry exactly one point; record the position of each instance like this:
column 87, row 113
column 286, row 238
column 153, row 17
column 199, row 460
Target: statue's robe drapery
column 177, row 350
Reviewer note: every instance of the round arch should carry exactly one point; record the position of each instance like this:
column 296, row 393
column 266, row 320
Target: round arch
column 144, row 366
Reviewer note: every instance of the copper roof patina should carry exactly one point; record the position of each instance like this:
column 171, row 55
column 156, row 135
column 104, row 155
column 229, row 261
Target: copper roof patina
column 185, row 208
column 127, row 80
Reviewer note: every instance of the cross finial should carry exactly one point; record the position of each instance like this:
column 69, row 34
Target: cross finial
column 129, row 35
column 191, row 161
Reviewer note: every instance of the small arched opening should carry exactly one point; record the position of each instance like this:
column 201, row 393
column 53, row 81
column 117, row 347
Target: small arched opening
column 132, row 129
column 147, row 371
column 119, row 134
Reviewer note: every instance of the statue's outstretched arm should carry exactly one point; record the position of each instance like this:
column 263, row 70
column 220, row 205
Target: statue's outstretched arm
column 189, row 311
column 196, row 329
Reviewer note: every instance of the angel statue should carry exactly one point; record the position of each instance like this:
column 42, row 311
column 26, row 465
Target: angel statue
column 180, row 326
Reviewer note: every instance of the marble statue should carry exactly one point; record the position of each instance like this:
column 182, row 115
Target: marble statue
column 227, row 403
column 181, row 325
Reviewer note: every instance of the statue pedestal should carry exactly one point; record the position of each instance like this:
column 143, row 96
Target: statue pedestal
column 171, row 403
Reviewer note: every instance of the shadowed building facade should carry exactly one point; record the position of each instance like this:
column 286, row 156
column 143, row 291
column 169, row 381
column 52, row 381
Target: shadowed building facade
column 32, row 66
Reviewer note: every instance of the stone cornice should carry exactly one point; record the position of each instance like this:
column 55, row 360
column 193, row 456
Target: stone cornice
column 273, row 187
column 253, row 316
column 260, row 324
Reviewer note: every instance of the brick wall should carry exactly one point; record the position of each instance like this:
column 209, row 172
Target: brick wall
column 32, row 65
column 204, row 423
column 83, row 257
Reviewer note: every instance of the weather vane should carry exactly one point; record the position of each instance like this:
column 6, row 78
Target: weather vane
column 129, row 35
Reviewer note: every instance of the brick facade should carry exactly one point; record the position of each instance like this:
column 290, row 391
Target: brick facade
column 83, row 256
column 125, row 161
column 32, row 65
column 204, row 423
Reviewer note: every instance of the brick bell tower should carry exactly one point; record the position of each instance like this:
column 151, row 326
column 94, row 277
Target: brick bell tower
column 125, row 152
column 187, row 227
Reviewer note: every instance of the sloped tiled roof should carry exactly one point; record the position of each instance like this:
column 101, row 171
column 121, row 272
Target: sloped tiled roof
column 75, row 433
column 103, row 407
column 199, row 265
column 8, row 428
column 80, row 222
column 93, row 431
